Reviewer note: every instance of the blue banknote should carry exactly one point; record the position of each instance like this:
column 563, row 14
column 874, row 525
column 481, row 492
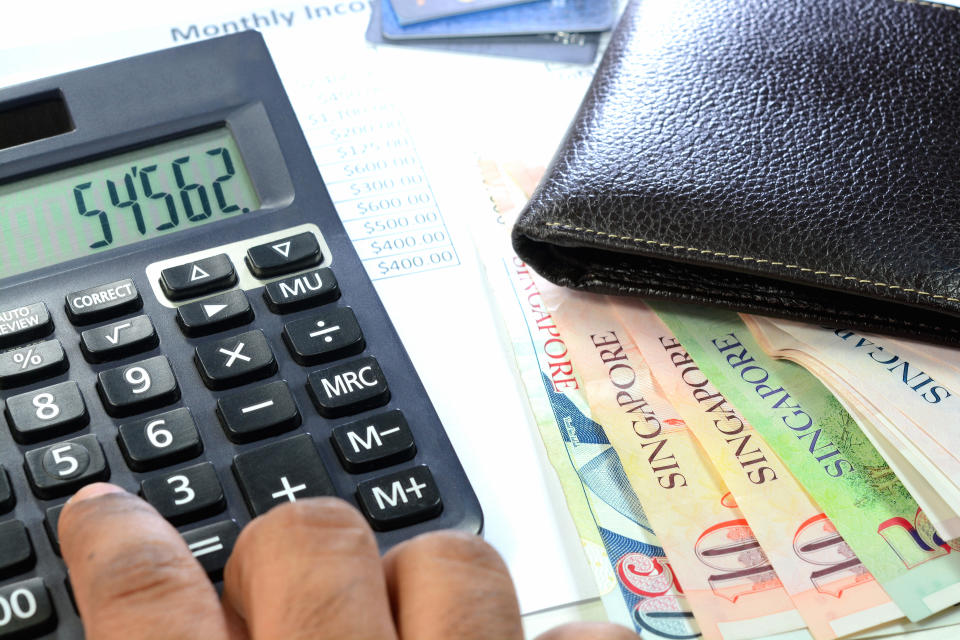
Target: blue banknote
column 544, row 16
column 412, row 11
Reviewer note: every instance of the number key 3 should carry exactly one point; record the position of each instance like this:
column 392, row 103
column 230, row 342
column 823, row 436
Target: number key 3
column 186, row 495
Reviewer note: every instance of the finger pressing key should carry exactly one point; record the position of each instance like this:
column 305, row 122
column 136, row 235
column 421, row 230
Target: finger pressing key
column 133, row 576
column 309, row 570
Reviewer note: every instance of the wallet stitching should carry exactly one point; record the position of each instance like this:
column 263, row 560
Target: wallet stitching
column 931, row 5
column 720, row 254
column 844, row 314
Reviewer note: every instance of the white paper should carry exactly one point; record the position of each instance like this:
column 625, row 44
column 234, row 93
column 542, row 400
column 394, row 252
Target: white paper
column 412, row 123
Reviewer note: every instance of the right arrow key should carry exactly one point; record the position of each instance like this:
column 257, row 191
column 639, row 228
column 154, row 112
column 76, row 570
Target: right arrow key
column 219, row 313
column 284, row 255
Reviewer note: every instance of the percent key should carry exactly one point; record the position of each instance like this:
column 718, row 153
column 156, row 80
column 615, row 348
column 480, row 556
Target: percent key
column 31, row 363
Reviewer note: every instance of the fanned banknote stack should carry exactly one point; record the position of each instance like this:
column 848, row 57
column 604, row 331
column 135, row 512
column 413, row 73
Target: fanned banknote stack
column 734, row 476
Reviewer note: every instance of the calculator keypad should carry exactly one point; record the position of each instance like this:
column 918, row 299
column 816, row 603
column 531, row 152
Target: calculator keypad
column 62, row 468
column 328, row 382
column 141, row 386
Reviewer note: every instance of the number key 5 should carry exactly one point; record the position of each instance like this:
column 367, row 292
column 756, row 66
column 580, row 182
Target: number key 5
column 62, row 468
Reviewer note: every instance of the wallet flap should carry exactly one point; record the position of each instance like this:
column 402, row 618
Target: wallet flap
column 807, row 142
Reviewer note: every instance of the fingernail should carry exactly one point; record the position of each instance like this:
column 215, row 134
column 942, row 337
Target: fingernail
column 95, row 491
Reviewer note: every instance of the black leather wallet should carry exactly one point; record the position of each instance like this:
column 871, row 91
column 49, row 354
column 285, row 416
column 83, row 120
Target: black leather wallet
column 798, row 159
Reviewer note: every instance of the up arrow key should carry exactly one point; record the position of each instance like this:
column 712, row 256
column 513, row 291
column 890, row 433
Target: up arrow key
column 198, row 273
column 192, row 279
column 283, row 249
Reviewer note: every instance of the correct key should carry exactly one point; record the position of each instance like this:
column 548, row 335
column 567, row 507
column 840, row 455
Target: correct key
column 30, row 610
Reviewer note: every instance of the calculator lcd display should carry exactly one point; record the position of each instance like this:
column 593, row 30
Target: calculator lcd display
column 122, row 200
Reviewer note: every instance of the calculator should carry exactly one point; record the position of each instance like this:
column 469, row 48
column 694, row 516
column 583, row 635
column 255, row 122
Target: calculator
column 183, row 314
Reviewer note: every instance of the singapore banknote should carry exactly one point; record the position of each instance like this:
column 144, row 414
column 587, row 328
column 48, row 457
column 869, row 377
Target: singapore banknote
column 831, row 588
column 828, row 453
column 910, row 397
column 727, row 578
column 637, row 585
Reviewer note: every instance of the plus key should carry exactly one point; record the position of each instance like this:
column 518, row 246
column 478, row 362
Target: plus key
column 280, row 472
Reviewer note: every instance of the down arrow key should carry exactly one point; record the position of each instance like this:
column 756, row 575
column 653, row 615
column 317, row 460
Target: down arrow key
column 284, row 255
column 219, row 313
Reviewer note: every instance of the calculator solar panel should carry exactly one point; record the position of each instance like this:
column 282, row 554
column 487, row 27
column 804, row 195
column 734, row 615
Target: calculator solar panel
column 183, row 314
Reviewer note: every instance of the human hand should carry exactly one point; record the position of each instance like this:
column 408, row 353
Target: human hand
column 309, row 569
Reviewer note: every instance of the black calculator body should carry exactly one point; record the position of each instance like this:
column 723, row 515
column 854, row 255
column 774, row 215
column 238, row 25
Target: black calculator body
column 183, row 314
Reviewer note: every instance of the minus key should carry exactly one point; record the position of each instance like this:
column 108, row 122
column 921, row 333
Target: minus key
column 258, row 412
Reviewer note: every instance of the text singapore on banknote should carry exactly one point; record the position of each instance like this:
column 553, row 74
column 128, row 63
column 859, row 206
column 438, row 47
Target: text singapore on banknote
column 752, row 490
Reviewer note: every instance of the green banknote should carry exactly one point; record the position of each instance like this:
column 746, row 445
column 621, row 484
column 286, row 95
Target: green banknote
column 827, row 452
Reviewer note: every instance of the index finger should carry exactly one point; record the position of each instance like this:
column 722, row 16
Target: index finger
column 133, row 576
